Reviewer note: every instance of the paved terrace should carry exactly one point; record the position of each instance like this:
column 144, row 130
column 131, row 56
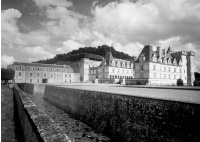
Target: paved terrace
column 181, row 95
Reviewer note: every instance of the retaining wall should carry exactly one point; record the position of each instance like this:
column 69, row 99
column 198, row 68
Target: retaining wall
column 128, row 118
column 36, row 125
column 32, row 88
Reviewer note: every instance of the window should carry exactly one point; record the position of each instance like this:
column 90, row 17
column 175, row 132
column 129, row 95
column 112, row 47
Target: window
column 57, row 75
column 141, row 67
column 141, row 75
column 113, row 70
column 169, row 69
column 38, row 81
column 164, row 68
column 30, row 80
column 154, row 67
column 164, row 75
column 38, row 74
column 103, row 70
column 70, row 75
column 51, row 69
column 31, row 74
column 174, row 76
column 20, row 67
column 45, row 75
column 51, row 74
column 174, row 69
column 31, row 68
column 56, row 69
column 20, row 74
column 180, row 70
column 128, row 71
column 118, row 70
column 65, row 75
column 38, row 69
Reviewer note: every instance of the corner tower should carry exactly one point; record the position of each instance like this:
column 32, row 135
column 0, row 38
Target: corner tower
column 190, row 68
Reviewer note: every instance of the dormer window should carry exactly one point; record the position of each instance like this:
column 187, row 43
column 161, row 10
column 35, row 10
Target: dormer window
column 118, row 64
column 175, row 62
column 141, row 58
column 113, row 63
column 169, row 61
column 154, row 58
column 180, row 63
column 127, row 65
column 38, row 69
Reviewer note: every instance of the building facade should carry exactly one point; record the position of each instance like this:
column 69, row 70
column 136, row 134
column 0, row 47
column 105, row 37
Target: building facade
column 164, row 67
column 43, row 73
column 152, row 66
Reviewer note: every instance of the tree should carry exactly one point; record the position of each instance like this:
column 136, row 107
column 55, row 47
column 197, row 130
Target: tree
column 7, row 74
column 179, row 82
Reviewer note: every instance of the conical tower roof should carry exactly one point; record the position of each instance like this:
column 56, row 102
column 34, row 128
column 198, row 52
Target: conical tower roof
column 109, row 58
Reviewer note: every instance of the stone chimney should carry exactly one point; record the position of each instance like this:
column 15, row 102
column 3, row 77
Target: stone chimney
column 163, row 52
column 159, row 51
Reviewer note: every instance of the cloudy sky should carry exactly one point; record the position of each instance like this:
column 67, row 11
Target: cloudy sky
column 32, row 30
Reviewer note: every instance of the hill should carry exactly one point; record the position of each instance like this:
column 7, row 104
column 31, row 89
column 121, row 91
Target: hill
column 90, row 52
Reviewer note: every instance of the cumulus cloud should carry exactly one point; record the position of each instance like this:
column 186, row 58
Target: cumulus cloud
column 46, row 3
column 6, row 60
column 37, row 52
column 70, row 45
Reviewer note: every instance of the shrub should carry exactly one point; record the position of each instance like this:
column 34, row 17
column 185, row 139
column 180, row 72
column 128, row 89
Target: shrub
column 7, row 74
column 179, row 82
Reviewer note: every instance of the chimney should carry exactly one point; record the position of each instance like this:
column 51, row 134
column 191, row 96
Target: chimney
column 159, row 51
column 163, row 52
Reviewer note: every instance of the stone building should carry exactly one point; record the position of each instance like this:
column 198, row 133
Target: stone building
column 164, row 67
column 43, row 73
column 112, row 70
column 152, row 66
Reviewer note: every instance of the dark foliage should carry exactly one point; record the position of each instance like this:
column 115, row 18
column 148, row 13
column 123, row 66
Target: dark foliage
column 7, row 74
column 197, row 75
column 179, row 82
column 100, row 50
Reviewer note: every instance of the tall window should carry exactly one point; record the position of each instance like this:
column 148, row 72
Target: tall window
column 141, row 75
column 38, row 81
column 65, row 75
column 45, row 75
column 141, row 67
column 51, row 74
column 30, row 80
column 164, row 68
column 38, row 69
column 154, row 67
column 38, row 74
column 174, row 76
column 154, row 75
column 69, row 75
column 103, row 70
column 118, row 70
column 174, row 69
column 113, row 70
column 169, row 69
column 31, row 74
column 180, row 70
column 20, row 74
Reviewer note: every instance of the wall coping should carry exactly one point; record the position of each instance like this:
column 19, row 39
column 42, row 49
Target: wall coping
column 48, row 129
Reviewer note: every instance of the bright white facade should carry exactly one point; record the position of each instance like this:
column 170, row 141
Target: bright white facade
column 164, row 68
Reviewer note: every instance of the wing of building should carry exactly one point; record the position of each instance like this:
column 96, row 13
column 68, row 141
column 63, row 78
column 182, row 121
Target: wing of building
column 165, row 67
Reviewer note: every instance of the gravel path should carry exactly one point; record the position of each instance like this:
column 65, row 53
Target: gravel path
column 8, row 125
column 75, row 129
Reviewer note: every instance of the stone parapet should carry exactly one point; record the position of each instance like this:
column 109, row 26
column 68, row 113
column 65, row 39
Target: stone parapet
column 37, row 126
column 129, row 118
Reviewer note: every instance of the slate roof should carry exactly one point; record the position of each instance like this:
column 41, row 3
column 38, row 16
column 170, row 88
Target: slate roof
column 41, row 65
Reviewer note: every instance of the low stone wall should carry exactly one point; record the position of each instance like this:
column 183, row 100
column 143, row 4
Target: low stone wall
column 32, row 88
column 36, row 125
column 128, row 118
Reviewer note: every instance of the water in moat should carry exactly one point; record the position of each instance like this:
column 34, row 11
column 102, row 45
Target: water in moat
column 75, row 129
